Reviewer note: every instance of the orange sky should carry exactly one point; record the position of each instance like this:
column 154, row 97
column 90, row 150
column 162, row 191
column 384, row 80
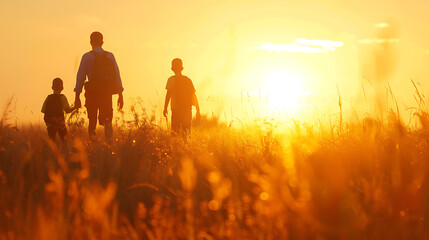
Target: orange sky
column 222, row 45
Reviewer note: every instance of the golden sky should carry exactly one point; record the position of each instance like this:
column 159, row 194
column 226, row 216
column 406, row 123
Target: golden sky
column 258, row 51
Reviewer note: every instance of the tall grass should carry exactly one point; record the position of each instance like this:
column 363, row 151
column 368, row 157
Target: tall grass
column 365, row 180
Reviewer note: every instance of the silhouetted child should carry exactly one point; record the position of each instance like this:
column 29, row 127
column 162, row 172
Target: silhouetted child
column 54, row 107
column 181, row 91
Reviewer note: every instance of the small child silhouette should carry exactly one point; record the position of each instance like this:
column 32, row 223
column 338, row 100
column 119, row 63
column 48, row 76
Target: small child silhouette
column 181, row 91
column 54, row 107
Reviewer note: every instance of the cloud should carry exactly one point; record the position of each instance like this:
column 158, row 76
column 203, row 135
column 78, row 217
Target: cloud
column 381, row 25
column 272, row 47
column 378, row 40
column 385, row 33
column 325, row 44
column 302, row 45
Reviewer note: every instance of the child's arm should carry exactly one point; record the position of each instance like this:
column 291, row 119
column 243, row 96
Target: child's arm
column 197, row 106
column 44, row 106
column 66, row 105
column 167, row 100
column 120, row 101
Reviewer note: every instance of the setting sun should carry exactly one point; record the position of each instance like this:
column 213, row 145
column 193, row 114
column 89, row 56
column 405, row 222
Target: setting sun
column 284, row 91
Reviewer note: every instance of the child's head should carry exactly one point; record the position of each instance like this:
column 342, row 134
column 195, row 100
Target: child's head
column 177, row 65
column 57, row 85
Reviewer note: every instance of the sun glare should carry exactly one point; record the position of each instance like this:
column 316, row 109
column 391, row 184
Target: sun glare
column 284, row 91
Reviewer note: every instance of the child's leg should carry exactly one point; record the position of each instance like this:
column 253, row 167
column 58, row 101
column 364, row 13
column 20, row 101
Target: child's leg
column 62, row 131
column 187, row 121
column 181, row 122
column 52, row 131
column 175, row 122
column 108, row 131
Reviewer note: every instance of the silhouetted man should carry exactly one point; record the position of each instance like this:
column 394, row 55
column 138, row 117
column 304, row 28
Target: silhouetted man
column 181, row 91
column 102, row 71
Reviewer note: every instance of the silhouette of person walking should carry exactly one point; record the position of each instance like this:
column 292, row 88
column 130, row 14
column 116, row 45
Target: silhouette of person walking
column 54, row 107
column 104, row 80
column 181, row 91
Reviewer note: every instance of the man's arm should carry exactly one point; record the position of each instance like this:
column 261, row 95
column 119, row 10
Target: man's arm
column 80, row 80
column 81, row 74
column 167, row 100
column 77, row 103
column 118, row 77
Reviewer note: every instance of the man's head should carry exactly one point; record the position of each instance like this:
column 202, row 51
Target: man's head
column 96, row 39
column 57, row 85
column 177, row 65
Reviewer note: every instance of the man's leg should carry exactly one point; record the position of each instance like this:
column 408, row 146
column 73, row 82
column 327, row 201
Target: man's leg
column 106, row 116
column 92, row 121
column 91, row 109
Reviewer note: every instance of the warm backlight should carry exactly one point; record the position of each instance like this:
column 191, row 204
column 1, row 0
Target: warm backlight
column 284, row 91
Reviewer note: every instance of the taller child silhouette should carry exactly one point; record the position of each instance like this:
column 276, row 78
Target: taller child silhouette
column 181, row 91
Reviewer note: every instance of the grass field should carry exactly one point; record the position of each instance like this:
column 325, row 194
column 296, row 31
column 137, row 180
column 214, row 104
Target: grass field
column 358, row 180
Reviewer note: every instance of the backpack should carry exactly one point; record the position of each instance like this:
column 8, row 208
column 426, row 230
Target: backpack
column 54, row 109
column 103, row 75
